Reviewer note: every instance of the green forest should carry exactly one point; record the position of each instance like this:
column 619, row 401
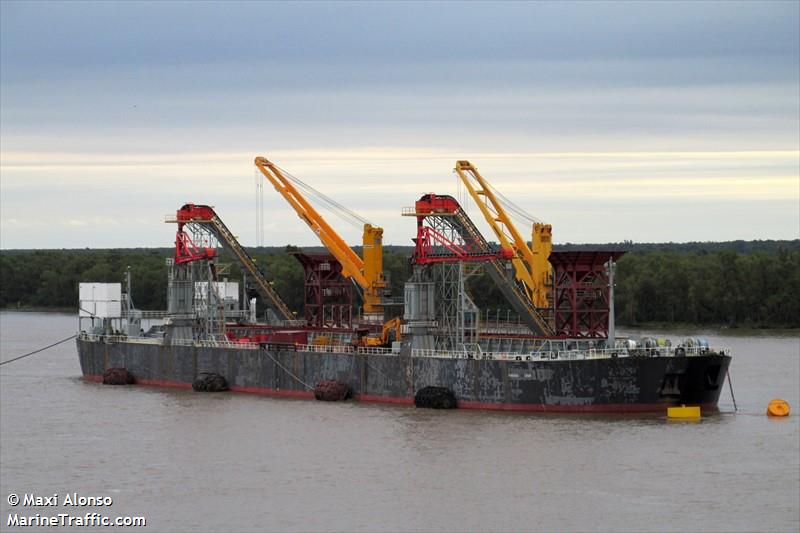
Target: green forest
column 734, row 284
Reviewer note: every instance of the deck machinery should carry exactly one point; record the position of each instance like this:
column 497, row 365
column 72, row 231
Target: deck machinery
column 448, row 250
column 565, row 297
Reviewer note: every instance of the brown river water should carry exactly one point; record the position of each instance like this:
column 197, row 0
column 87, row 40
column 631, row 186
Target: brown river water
column 234, row 462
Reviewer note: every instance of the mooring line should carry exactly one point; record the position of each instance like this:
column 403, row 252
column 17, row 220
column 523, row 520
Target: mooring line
column 37, row 351
column 730, row 386
column 306, row 385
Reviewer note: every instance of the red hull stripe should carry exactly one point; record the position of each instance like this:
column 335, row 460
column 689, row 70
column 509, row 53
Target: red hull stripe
column 148, row 382
column 282, row 393
column 383, row 399
column 462, row 404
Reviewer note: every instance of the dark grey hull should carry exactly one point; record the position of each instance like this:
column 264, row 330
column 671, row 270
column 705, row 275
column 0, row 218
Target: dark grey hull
column 625, row 384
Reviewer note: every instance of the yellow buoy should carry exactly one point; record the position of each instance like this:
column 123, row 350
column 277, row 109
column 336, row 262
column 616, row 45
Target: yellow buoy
column 778, row 407
column 692, row 411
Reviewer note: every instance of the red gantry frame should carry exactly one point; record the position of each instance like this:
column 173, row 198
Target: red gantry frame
column 438, row 241
column 581, row 293
column 328, row 294
column 186, row 250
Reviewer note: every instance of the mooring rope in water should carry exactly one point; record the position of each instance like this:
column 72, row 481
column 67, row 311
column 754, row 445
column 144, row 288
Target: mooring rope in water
column 39, row 350
column 306, row 385
column 730, row 386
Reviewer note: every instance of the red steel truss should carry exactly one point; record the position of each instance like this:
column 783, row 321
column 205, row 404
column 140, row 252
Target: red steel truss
column 433, row 247
column 187, row 251
column 441, row 237
column 328, row 294
column 581, row 293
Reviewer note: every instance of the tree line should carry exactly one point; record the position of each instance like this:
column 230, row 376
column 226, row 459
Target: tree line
column 743, row 283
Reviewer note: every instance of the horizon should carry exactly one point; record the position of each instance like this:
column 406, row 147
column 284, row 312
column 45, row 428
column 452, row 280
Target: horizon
column 411, row 246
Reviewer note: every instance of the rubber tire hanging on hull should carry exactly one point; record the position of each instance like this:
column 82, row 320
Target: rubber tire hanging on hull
column 118, row 376
column 435, row 398
column 331, row 391
column 210, row 382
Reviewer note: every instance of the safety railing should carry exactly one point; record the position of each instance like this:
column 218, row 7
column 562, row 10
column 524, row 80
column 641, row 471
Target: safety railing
column 542, row 355
column 463, row 354
column 374, row 350
column 408, row 328
column 412, row 212
column 160, row 314
column 444, row 354
column 141, row 313
column 324, row 348
column 572, row 355
column 113, row 339
column 292, row 323
column 210, row 343
column 339, row 348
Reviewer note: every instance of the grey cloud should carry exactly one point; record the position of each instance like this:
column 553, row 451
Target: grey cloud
column 458, row 78
column 41, row 35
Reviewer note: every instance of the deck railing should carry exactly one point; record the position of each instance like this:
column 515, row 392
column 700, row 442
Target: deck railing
column 210, row 343
column 542, row 355
column 571, row 355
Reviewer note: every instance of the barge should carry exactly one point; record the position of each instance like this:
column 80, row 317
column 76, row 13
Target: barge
column 568, row 381
column 561, row 354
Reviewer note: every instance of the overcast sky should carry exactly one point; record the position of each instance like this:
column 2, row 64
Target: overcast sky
column 672, row 121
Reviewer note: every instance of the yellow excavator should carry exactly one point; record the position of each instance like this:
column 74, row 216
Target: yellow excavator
column 531, row 266
column 391, row 331
column 366, row 271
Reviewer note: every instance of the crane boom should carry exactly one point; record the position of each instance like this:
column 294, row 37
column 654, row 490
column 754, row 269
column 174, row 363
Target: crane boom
column 530, row 265
column 367, row 272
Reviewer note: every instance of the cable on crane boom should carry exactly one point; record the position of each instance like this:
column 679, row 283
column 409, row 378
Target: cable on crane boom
column 514, row 208
column 349, row 216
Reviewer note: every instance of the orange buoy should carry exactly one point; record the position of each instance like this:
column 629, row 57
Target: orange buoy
column 778, row 407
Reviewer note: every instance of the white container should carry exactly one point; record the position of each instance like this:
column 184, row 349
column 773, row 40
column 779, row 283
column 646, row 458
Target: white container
column 100, row 292
column 108, row 309
column 223, row 289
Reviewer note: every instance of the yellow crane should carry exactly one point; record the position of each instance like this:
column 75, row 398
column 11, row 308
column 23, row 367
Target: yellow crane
column 367, row 272
column 531, row 266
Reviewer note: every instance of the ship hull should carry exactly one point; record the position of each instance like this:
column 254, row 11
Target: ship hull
column 624, row 384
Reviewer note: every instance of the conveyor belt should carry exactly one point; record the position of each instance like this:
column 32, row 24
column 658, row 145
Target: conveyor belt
column 512, row 292
column 263, row 286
